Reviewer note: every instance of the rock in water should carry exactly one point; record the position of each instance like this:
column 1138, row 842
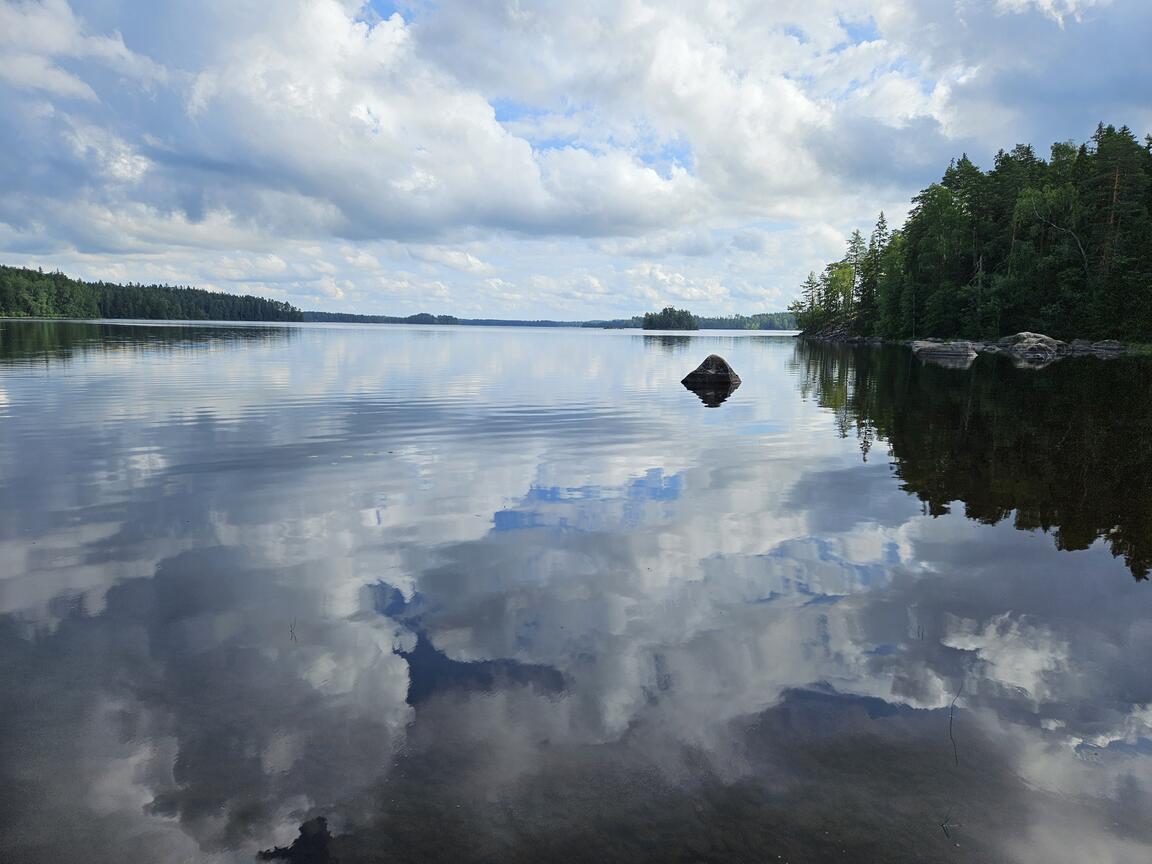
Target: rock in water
column 712, row 381
column 1033, row 350
column 714, row 371
column 954, row 355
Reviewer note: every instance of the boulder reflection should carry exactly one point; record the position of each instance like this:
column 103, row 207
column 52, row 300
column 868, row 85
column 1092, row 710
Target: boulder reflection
column 713, row 394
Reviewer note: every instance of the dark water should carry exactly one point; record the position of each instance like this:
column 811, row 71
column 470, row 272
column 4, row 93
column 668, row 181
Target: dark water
column 514, row 596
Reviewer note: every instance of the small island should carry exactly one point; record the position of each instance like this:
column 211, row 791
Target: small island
column 670, row 319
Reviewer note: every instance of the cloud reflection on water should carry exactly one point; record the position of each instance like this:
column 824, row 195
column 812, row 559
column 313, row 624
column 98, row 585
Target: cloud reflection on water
column 651, row 626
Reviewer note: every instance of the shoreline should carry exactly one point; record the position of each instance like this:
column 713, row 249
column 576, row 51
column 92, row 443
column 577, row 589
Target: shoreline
column 1026, row 349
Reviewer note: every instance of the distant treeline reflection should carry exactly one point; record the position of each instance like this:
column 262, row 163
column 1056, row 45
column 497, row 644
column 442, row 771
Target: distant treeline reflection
column 1067, row 450
column 43, row 341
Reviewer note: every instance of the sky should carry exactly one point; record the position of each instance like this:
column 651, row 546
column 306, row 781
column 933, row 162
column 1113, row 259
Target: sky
column 507, row 158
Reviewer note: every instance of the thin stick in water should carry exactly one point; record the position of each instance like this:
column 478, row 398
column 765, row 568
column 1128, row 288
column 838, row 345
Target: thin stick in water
column 951, row 717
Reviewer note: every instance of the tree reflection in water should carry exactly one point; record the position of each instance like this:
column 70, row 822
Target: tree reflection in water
column 1066, row 449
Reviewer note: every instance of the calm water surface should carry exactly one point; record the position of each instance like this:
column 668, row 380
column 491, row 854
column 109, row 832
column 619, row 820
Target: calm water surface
column 503, row 595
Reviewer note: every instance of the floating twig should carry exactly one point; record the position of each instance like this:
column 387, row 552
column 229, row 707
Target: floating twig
column 951, row 717
column 948, row 823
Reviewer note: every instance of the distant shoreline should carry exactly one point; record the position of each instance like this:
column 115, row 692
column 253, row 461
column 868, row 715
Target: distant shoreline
column 765, row 322
column 27, row 293
column 207, row 322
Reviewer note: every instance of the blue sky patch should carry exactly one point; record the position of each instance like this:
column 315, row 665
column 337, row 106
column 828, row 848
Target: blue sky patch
column 387, row 8
column 860, row 31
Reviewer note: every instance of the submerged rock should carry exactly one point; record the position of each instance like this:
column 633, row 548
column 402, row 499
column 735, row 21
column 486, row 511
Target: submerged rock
column 955, row 355
column 713, row 381
column 950, row 361
column 1107, row 348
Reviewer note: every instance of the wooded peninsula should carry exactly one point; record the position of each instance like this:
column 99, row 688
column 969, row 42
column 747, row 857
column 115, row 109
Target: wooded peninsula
column 28, row 293
column 1061, row 246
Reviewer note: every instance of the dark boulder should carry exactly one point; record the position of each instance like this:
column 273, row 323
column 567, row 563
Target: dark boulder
column 714, row 370
column 713, row 381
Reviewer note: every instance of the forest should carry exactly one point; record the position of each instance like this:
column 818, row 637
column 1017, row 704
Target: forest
column 759, row 321
column 28, row 293
column 670, row 319
column 1061, row 246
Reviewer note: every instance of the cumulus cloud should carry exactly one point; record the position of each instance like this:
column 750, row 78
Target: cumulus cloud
column 596, row 133
column 456, row 259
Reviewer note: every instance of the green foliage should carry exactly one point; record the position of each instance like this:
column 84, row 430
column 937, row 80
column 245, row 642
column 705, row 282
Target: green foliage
column 1062, row 246
column 32, row 294
column 670, row 319
column 761, row 321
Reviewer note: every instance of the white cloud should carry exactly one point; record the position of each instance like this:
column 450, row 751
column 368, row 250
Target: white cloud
column 36, row 72
column 658, row 283
column 1057, row 10
column 456, row 259
column 598, row 133
column 35, row 35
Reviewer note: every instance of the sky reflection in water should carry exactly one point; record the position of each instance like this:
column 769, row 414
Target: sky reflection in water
column 480, row 595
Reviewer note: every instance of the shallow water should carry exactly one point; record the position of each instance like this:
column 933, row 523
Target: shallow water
column 516, row 595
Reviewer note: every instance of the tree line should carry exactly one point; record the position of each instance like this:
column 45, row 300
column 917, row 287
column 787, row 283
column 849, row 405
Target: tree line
column 761, row 321
column 681, row 319
column 1061, row 246
column 670, row 318
column 28, row 293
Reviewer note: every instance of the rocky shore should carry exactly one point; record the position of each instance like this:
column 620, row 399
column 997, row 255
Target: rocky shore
column 1031, row 350
column 1028, row 350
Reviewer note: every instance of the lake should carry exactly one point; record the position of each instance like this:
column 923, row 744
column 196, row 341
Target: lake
column 516, row 595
